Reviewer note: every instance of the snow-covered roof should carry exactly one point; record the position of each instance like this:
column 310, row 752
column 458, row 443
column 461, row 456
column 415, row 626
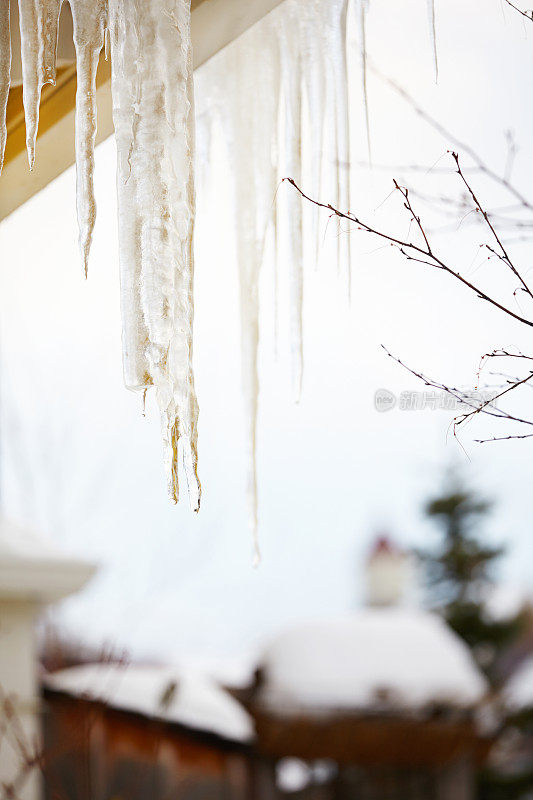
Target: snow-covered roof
column 162, row 692
column 372, row 658
column 518, row 693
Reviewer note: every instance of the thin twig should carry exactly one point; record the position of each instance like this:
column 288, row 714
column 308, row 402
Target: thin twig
column 460, row 145
column 505, row 255
column 527, row 14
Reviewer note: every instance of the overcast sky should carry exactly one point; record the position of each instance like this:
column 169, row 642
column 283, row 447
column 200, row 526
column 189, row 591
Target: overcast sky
column 82, row 465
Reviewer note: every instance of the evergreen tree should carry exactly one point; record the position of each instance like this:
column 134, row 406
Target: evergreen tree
column 460, row 574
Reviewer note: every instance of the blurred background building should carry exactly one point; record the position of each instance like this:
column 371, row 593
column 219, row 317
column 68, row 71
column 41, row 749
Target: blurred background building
column 385, row 702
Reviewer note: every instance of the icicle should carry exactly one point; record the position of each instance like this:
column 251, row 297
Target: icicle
column 5, row 73
column 126, row 100
column 252, row 128
column 153, row 116
column 433, row 35
column 315, row 87
column 249, row 302
column 363, row 8
column 89, row 19
column 249, row 120
column 291, row 81
column 337, row 53
column 29, row 38
column 38, row 35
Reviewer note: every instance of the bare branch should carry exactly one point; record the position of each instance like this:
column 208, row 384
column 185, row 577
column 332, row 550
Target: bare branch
column 527, row 14
column 410, row 250
column 504, row 438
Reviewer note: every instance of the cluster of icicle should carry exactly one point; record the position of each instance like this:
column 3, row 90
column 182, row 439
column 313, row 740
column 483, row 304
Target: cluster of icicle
column 255, row 93
column 153, row 116
column 287, row 72
column 297, row 50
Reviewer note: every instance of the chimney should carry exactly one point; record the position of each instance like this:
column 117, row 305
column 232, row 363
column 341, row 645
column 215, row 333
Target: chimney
column 386, row 574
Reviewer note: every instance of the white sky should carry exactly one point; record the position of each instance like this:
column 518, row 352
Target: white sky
column 81, row 464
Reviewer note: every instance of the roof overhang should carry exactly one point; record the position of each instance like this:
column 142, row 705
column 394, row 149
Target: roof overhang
column 214, row 23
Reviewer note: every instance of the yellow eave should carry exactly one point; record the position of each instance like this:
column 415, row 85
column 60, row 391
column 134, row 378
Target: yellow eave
column 214, row 23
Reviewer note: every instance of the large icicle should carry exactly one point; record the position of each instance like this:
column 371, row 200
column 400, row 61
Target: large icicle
column 89, row 19
column 153, row 115
column 5, row 73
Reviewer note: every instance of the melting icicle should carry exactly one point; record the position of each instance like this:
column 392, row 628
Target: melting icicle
column 433, row 35
column 31, row 72
column 252, row 129
column 291, row 81
column 299, row 48
column 152, row 99
column 5, row 73
column 153, row 116
column 39, row 30
column 89, row 19
column 38, row 36
column 126, row 103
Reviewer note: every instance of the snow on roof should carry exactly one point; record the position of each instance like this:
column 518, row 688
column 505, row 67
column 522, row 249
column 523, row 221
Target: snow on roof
column 518, row 693
column 395, row 657
column 191, row 700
